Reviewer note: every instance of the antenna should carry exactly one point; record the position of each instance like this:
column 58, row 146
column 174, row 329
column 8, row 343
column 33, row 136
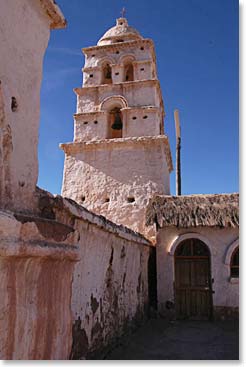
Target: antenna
column 178, row 149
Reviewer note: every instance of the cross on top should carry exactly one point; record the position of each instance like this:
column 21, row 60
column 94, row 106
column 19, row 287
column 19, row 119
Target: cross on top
column 123, row 12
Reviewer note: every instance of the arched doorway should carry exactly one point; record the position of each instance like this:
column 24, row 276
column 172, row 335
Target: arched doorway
column 192, row 286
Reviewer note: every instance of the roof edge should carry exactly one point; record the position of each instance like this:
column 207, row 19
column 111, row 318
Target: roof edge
column 197, row 210
column 117, row 45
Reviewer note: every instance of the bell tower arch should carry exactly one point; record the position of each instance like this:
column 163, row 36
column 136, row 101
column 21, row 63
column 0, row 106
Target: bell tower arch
column 120, row 156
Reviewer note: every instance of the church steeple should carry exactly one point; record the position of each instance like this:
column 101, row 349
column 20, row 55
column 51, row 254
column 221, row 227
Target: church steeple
column 121, row 32
column 120, row 156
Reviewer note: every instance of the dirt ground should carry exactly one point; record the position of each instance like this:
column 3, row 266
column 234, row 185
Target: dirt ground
column 159, row 339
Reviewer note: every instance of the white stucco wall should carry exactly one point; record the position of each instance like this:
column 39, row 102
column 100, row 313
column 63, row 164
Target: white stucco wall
column 142, row 122
column 138, row 121
column 226, row 292
column 116, row 54
column 109, row 290
column 139, row 93
column 116, row 178
column 24, row 34
column 117, row 171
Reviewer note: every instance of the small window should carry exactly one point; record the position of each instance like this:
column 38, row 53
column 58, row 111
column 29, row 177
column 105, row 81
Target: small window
column 91, row 75
column 134, row 118
column 142, row 69
column 235, row 263
column 117, row 73
column 131, row 199
column 141, row 48
column 145, row 117
column 95, row 122
column 117, row 52
column 106, row 200
column 85, row 122
column 120, row 40
column 14, row 104
column 93, row 55
column 82, row 198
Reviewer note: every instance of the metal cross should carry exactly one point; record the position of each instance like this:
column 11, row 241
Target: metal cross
column 123, row 12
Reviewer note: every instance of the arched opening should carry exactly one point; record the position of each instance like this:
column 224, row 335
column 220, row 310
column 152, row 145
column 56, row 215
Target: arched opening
column 115, row 124
column 234, row 265
column 129, row 75
column 107, row 74
column 193, row 288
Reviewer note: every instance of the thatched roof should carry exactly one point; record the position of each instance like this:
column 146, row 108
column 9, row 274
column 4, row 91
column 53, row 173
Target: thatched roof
column 221, row 210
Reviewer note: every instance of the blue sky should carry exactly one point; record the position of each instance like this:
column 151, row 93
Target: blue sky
column 196, row 44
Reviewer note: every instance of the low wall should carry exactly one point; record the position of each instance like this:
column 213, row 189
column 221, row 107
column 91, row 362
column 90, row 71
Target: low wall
column 111, row 281
column 72, row 282
column 110, row 289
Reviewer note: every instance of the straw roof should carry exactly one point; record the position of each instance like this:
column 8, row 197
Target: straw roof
column 221, row 210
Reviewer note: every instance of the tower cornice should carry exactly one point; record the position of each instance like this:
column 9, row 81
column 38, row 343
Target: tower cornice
column 117, row 45
column 77, row 147
column 80, row 91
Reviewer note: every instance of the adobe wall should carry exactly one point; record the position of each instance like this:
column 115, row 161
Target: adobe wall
column 24, row 36
column 141, row 52
column 219, row 241
column 111, row 280
column 72, row 282
column 94, row 125
column 37, row 258
column 138, row 93
column 103, row 176
column 110, row 295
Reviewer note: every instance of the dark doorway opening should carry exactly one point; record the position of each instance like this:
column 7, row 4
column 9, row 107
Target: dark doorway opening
column 152, row 279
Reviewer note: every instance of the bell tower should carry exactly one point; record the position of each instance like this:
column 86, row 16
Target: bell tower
column 120, row 156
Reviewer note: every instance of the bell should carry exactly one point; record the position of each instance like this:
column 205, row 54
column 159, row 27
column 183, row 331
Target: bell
column 117, row 125
column 108, row 73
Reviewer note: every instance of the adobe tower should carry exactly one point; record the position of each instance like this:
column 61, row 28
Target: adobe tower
column 120, row 156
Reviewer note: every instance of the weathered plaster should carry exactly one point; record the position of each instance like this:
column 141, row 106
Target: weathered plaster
column 24, row 34
column 98, row 177
column 110, row 289
column 116, row 177
column 36, row 264
column 218, row 240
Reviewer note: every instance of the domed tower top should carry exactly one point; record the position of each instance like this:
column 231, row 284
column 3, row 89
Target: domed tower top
column 121, row 32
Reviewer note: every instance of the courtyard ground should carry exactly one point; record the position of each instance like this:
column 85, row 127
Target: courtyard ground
column 159, row 339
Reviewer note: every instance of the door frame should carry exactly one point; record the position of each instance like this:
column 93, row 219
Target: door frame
column 174, row 245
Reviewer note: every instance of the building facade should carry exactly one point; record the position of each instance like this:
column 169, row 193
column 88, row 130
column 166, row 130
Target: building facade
column 197, row 255
column 120, row 155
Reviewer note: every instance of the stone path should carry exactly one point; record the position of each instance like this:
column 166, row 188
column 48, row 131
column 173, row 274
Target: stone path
column 181, row 340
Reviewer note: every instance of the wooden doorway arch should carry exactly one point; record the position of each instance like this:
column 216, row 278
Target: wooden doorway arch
column 193, row 286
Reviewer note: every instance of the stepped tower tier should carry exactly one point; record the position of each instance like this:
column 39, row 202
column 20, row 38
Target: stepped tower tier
column 120, row 156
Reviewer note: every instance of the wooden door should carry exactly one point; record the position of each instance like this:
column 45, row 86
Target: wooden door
column 193, row 293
